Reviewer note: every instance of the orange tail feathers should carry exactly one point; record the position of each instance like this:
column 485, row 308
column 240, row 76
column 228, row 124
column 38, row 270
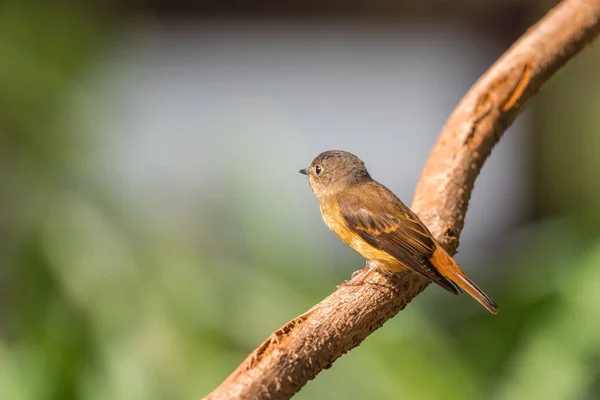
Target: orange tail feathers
column 446, row 266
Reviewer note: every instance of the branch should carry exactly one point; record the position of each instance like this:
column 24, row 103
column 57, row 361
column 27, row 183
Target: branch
column 303, row 347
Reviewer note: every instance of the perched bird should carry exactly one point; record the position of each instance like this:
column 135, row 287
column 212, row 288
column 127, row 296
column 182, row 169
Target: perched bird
column 370, row 219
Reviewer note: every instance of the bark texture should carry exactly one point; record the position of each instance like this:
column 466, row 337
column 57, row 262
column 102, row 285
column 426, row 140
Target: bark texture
column 303, row 347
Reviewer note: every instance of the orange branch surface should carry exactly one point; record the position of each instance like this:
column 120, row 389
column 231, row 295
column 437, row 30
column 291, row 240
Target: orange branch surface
column 303, row 347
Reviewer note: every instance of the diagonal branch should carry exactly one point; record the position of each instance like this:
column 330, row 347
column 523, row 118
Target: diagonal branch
column 302, row 348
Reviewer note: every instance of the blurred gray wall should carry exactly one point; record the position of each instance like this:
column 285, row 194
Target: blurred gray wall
column 229, row 112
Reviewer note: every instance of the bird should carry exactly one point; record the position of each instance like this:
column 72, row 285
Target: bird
column 370, row 219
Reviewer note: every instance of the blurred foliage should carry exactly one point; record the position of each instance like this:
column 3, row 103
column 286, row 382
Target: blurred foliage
column 97, row 304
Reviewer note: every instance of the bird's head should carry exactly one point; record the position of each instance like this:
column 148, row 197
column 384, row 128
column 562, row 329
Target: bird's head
column 333, row 171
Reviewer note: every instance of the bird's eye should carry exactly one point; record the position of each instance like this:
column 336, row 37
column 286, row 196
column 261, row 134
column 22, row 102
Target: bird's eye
column 318, row 169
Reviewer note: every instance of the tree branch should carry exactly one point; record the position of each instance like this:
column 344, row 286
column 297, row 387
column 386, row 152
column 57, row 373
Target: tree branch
column 303, row 347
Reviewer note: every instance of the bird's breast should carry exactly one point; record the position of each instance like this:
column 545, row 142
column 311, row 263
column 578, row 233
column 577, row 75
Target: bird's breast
column 333, row 218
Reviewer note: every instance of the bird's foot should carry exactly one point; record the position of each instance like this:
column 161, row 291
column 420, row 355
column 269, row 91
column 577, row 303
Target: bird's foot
column 362, row 275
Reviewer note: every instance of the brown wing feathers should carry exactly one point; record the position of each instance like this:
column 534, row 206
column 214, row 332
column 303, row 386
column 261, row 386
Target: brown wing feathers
column 395, row 229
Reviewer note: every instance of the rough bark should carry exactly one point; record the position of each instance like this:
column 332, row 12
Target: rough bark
column 303, row 347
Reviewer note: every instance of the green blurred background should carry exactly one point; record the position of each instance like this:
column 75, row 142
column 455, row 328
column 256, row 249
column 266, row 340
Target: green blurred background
column 155, row 229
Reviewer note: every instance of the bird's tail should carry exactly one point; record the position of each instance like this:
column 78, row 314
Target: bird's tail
column 442, row 261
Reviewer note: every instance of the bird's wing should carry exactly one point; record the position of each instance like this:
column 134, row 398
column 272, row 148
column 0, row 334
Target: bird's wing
column 387, row 224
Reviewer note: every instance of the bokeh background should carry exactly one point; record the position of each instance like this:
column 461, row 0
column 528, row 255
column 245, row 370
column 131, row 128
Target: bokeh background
column 154, row 228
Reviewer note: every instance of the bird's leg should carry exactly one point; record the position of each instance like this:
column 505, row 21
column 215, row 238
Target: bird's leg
column 360, row 271
column 364, row 274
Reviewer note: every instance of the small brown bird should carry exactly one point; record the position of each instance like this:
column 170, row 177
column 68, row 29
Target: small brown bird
column 370, row 219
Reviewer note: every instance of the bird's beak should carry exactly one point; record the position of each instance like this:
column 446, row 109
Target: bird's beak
column 304, row 171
